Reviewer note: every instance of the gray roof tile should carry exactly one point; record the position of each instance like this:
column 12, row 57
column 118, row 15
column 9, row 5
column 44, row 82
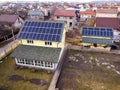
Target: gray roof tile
column 37, row 53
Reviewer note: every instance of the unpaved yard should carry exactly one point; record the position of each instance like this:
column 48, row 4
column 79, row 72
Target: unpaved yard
column 90, row 71
column 22, row 78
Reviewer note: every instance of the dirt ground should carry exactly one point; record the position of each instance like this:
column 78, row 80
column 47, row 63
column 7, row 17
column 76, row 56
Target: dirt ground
column 13, row 77
column 90, row 71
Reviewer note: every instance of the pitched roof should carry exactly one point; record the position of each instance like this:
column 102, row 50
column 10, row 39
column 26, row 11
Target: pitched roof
column 90, row 12
column 8, row 18
column 67, row 13
column 71, row 13
column 42, row 30
column 37, row 53
column 107, row 22
column 36, row 12
column 98, row 35
column 111, row 10
column 97, row 41
column 97, row 32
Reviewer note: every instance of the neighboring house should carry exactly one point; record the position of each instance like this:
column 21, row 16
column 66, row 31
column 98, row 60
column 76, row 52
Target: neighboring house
column 65, row 15
column 42, row 44
column 108, row 22
column 88, row 14
column 110, row 12
column 69, row 16
column 97, row 36
column 108, row 17
column 12, row 20
column 36, row 14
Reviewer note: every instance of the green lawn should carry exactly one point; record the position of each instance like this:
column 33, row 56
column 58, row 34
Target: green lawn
column 7, row 68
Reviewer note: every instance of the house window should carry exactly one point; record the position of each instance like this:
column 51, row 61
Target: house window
column 39, row 63
column 58, row 17
column 49, row 64
column 48, row 43
column 21, row 61
column 70, row 24
column 29, row 62
column 30, row 41
column 70, row 17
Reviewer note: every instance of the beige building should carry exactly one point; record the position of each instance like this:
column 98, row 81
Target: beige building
column 110, row 12
column 70, row 17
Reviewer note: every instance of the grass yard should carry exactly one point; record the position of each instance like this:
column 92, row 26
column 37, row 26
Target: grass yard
column 90, row 71
column 7, row 68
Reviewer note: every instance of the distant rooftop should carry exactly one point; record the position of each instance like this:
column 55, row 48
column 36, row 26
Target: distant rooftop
column 36, row 12
column 71, row 13
column 111, row 10
column 107, row 22
column 8, row 18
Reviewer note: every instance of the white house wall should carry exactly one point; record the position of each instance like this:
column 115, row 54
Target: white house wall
column 34, row 66
column 66, row 19
column 106, row 15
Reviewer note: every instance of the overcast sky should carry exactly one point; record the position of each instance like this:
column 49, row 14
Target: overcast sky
column 51, row 0
column 60, row 0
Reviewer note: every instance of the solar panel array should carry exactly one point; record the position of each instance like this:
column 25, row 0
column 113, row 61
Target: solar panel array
column 97, row 31
column 42, row 30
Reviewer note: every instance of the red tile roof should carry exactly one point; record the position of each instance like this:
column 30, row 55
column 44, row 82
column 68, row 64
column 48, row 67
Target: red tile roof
column 107, row 22
column 66, row 13
column 8, row 18
column 69, row 13
column 108, row 8
column 90, row 12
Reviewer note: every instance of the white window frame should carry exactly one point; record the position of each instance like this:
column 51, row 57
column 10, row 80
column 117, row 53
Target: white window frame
column 20, row 61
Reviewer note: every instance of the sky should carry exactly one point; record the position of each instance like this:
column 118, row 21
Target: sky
column 59, row 0
column 50, row 0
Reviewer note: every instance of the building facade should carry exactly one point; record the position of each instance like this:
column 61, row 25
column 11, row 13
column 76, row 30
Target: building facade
column 42, row 44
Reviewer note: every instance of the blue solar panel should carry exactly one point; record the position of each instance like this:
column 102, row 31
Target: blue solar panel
column 42, row 30
column 97, row 31
column 57, row 38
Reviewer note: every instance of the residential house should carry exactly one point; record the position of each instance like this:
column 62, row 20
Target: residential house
column 42, row 44
column 12, row 20
column 65, row 15
column 108, row 17
column 36, row 14
column 97, row 36
column 69, row 16
column 87, row 14
column 110, row 12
